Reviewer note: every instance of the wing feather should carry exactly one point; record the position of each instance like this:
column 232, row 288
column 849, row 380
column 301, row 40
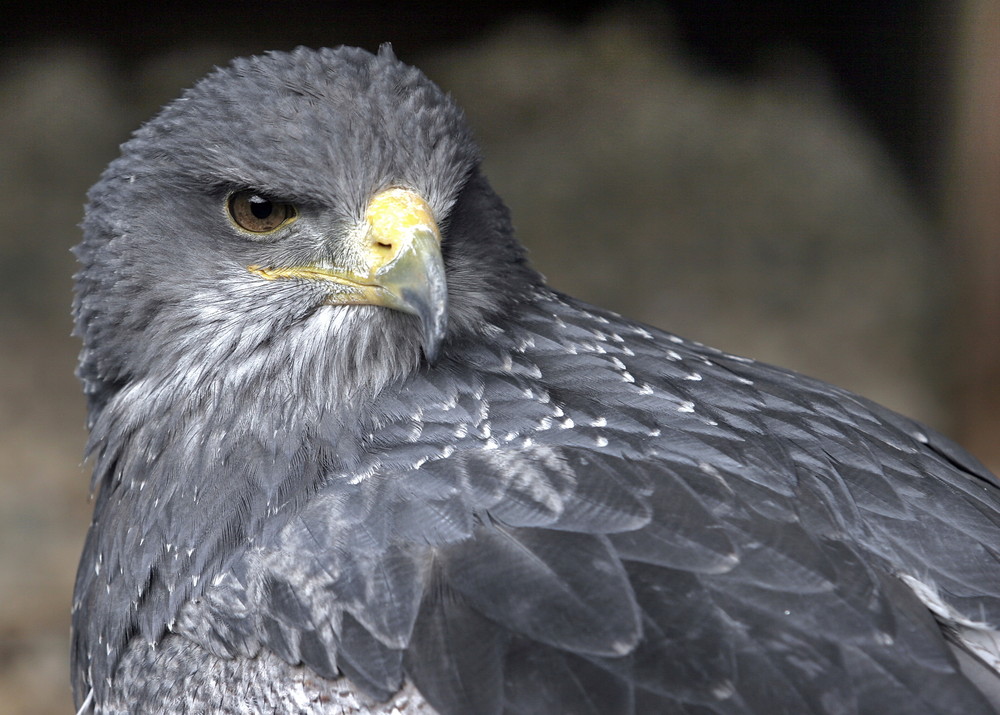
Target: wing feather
column 697, row 534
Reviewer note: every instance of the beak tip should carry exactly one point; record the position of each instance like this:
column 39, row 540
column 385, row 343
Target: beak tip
column 434, row 329
column 431, row 353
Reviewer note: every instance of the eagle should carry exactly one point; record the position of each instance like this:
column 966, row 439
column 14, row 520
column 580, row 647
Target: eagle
column 352, row 454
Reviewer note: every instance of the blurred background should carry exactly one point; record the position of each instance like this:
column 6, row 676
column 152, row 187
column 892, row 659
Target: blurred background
column 812, row 184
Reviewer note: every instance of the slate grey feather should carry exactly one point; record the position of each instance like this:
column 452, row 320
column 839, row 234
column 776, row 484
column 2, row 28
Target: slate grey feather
column 351, row 454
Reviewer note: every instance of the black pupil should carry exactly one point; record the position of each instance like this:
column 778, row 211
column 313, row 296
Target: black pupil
column 261, row 208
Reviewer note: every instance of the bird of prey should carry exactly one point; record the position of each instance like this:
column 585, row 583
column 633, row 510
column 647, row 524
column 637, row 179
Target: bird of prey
column 352, row 455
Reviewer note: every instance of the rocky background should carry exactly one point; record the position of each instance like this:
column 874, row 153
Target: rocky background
column 757, row 210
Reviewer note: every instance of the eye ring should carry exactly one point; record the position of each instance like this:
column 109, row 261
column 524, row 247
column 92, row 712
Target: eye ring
column 255, row 213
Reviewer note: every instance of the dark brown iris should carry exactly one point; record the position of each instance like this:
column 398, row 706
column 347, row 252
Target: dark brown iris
column 259, row 214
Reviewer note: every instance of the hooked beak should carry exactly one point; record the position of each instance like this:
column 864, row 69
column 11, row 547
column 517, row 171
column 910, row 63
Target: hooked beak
column 396, row 264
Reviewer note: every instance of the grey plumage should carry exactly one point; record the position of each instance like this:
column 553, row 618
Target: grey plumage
column 564, row 512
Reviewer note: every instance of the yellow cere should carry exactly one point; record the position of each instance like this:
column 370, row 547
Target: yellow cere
column 397, row 212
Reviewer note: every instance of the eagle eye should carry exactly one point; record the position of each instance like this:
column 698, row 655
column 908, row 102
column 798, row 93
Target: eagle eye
column 255, row 213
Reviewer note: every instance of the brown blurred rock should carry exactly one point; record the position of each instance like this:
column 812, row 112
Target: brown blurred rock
column 61, row 121
column 972, row 207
